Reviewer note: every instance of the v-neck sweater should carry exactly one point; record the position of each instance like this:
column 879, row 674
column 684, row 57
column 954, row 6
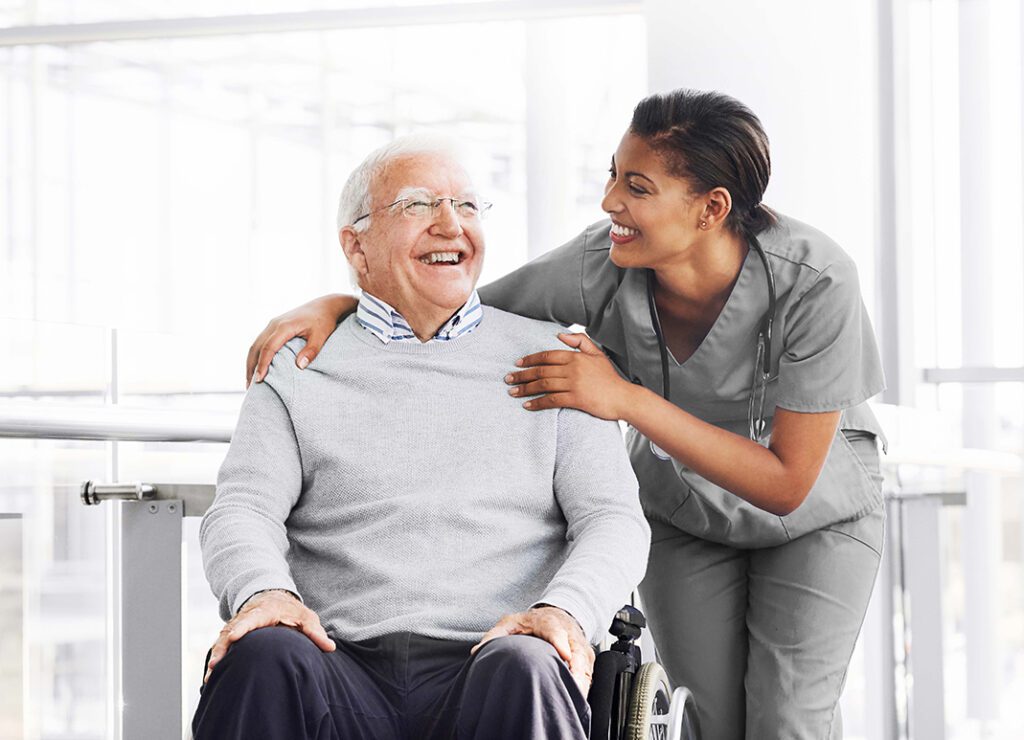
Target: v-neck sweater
column 399, row 488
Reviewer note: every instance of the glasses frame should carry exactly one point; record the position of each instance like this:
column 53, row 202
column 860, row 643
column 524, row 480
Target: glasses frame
column 482, row 206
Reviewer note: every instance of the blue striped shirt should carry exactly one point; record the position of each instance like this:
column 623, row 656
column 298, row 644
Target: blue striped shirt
column 385, row 323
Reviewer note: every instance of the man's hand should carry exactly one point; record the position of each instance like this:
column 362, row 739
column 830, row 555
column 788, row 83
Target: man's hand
column 557, row 627
column 268, row 609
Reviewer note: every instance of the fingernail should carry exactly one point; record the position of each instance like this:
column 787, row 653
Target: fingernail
column 519, row 362
column 513, row 391
column 508, row 378
column 303, row 361
column 528, row 405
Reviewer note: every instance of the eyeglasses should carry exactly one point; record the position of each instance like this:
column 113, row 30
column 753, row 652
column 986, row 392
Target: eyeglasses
column 465, row 210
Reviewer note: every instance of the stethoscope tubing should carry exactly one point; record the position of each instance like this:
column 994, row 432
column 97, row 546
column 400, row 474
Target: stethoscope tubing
column 764, row 338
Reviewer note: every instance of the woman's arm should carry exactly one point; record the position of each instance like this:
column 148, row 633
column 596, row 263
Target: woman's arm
column 776, row 479
column 550, row 288
column 313, row 321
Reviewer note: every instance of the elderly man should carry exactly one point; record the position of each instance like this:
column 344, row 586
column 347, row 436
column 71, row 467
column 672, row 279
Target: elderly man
column 379, row 513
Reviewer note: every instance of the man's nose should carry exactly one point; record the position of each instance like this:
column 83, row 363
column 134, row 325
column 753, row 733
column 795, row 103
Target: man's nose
column 446, row 221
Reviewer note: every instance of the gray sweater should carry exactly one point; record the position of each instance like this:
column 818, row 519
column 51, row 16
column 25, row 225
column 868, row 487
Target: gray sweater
column 400, row 488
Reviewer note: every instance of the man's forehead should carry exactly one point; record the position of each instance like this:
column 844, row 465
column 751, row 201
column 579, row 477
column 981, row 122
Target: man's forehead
column 427, row 173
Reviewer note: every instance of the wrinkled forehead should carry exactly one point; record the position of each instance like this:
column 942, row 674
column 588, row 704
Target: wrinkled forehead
column 422, row 174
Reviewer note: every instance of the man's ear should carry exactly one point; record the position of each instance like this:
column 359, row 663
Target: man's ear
column 351, row 245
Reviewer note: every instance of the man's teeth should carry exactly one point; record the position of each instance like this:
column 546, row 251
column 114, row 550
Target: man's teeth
column 619, row 230
column 450, row 257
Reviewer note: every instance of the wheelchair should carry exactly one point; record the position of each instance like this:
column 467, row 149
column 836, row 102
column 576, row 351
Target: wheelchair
column 632, row 700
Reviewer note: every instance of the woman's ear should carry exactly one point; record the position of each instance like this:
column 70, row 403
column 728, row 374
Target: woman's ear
column 717, row 207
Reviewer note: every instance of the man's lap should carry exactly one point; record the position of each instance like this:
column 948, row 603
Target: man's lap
column 382, row 684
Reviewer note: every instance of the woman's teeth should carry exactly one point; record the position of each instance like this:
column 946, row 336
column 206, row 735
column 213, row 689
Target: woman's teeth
column 620, row 230
column 448, row 257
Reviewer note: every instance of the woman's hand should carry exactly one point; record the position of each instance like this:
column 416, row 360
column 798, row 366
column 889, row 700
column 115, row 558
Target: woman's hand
column 584, row 380
column 313, row 321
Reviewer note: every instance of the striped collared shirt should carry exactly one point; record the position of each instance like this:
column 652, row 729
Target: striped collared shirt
column 387, row 324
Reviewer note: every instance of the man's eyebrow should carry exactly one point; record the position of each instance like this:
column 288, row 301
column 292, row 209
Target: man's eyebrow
column 412, row 192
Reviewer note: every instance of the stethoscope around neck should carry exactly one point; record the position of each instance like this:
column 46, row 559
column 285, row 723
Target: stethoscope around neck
column 756, row 420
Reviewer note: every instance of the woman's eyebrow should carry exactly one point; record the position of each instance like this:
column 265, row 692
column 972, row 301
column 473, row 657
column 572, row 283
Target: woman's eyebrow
column 640, row 174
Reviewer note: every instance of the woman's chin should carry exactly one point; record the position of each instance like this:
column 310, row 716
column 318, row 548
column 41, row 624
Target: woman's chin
column 624, row 257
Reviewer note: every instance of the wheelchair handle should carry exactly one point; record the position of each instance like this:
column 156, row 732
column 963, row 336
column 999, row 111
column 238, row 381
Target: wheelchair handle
column 628, row 623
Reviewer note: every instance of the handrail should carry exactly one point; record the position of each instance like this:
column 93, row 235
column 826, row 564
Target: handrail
column 113, row 423
column 120, row 423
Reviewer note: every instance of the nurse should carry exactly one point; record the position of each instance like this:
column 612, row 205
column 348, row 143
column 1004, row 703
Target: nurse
column 735, row 344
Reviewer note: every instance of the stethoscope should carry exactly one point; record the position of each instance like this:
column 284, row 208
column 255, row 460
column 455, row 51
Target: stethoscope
column 762, row 364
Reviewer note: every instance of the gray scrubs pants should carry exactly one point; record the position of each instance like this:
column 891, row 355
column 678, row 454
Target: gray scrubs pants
column 763, row 637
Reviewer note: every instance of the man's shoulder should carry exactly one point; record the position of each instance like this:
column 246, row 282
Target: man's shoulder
column 529, row 334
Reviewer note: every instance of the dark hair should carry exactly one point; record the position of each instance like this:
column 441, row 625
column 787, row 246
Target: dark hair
column 711, row 140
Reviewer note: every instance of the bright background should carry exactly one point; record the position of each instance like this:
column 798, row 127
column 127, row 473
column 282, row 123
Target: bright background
column 169, row 180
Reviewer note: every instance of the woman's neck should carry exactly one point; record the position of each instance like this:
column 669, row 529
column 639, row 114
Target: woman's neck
column 702, row 279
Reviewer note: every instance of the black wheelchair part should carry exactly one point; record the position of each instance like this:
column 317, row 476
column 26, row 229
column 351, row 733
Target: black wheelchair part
column 632, row 700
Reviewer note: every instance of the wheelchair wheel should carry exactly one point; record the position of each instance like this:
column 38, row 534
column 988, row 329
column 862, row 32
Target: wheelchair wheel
column 658, row 713
column 650, row 705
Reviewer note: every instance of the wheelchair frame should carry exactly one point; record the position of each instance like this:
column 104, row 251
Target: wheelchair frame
column 632, row 700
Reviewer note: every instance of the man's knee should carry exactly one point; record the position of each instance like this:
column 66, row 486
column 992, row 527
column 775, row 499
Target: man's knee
column 522, row 656
column 270, row 650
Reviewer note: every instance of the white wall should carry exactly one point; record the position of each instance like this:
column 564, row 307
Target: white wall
column 808, row 69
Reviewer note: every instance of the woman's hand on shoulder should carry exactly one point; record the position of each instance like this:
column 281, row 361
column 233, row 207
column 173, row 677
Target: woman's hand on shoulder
column 584, row 380
column 313, row 321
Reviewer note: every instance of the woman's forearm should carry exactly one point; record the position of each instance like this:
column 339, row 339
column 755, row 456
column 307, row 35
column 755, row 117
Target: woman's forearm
column 728, row 460
column 339, row 304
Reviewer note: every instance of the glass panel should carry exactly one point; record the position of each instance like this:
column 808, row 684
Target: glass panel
column 189, row 186
column 62, row 363
column 12, row 637
column 64, row 593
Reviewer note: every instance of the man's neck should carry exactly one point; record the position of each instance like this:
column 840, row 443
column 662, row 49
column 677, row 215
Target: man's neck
column 424, row 320
column 425, row 324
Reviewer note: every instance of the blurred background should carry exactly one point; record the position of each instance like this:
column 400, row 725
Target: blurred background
column 168, row 180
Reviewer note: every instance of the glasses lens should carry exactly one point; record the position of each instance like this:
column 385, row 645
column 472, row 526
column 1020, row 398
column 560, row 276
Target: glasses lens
column 417, row 208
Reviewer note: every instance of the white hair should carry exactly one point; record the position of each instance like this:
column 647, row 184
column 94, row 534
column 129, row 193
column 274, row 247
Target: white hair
column 355, row 196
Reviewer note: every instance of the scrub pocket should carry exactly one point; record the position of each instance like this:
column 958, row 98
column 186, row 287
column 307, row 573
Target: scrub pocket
column 845, row 490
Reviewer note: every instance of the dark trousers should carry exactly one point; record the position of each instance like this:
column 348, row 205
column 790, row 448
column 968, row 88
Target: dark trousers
column 275, row 683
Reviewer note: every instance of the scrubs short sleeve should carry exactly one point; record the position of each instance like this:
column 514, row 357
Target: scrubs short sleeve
column 829, row 358
column 563, row 285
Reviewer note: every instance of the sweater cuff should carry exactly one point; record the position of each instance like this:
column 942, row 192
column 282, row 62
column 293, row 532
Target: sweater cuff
column 264, row 583
column 576, row 609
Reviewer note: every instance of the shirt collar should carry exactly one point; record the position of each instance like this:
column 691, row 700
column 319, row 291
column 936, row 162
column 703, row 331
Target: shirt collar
column 387, row 324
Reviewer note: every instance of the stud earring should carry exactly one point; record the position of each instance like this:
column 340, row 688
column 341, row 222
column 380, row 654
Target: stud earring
column 703, row 224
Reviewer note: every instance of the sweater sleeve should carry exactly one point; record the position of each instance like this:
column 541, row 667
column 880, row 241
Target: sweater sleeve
column 242, row 535
column 608, row 535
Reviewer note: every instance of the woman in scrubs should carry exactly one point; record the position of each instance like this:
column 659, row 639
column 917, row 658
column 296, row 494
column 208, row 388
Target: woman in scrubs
column 762, row 489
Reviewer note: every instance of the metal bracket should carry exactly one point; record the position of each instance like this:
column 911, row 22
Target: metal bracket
column 94, row 493
column 195, row 497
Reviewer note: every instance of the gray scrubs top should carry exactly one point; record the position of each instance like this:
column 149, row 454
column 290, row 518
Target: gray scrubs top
column 823, row 348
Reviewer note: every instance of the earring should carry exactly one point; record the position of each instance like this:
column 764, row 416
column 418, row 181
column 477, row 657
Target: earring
column 703, row 224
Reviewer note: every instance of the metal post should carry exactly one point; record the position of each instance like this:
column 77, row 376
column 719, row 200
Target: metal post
column 878, row 635
column 923, row 617
column 550, row 178
column 151, row 624
column 981, row 525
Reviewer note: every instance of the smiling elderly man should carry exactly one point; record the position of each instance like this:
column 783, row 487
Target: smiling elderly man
column 378, row 513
